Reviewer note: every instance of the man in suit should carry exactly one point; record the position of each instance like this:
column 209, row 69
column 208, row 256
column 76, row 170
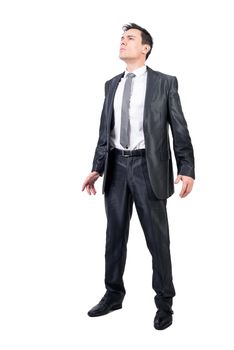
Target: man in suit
column 133, row 154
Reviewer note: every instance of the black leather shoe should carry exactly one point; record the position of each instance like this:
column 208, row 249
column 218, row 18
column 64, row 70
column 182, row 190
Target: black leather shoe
column 163, row 319
column 106, row 305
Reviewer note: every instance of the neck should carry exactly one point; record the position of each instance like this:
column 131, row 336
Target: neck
column 131, row 66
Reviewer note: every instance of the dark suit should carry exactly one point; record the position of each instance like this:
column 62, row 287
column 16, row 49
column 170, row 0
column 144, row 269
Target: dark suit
column 148, row 181
column 162, row 108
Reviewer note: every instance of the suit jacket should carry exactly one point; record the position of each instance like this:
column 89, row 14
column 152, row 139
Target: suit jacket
column 162, row 109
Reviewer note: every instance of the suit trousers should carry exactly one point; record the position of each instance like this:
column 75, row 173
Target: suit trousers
column 127, row 183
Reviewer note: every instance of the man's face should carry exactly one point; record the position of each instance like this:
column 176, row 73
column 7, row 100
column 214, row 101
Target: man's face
column 131, row 47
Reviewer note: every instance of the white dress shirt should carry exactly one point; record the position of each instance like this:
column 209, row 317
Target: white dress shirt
column 136, row 110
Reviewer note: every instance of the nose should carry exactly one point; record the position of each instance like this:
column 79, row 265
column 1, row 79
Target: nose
column 123, row 42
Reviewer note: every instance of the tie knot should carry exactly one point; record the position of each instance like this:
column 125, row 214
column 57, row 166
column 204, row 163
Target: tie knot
column 130, row 75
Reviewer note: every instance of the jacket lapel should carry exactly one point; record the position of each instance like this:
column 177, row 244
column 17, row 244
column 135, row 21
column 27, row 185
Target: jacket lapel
column 151, row 94
column 151, row 90
column 112, row 90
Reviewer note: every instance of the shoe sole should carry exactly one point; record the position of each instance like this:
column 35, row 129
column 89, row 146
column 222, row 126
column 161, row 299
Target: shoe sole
column 164, row 327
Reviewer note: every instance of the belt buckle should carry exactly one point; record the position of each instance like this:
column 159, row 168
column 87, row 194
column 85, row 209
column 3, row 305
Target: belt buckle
column 123, row 153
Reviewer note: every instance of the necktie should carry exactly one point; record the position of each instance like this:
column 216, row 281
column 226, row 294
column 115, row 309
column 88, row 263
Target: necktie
column 124, row 129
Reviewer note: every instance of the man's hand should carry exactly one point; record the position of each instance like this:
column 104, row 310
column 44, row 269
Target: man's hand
column 187, row 184
column 89, row 183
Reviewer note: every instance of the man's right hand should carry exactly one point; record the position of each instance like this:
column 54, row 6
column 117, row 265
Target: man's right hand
column 89, row 182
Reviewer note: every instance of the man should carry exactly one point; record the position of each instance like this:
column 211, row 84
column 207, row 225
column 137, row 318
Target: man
column 133, row 154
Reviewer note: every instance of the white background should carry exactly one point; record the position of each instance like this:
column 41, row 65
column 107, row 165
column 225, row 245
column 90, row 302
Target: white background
column 55, row 57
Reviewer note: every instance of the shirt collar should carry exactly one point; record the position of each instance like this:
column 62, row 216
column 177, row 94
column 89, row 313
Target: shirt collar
column 138, row 72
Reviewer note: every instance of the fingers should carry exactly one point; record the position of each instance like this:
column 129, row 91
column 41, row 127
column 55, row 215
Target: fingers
column 90, row 188
column 89, row 183
column 186, row 189
column 187, row 185
column 85, row 184
column 184, row 192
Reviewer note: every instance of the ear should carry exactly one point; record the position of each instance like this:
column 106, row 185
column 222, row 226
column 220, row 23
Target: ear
column 146, row 49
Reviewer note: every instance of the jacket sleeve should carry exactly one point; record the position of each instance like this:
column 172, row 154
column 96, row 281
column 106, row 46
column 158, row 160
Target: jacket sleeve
column 182, row 145
column 101, row 148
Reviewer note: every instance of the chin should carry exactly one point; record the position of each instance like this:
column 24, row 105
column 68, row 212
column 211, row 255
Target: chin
column 121, row 56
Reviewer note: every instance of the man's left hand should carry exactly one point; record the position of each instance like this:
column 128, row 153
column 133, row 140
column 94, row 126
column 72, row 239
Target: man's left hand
column 187, row 184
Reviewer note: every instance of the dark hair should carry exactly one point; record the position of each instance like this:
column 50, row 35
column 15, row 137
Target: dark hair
column 145, row 35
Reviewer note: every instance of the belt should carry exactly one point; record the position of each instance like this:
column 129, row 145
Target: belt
column 133, row 153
